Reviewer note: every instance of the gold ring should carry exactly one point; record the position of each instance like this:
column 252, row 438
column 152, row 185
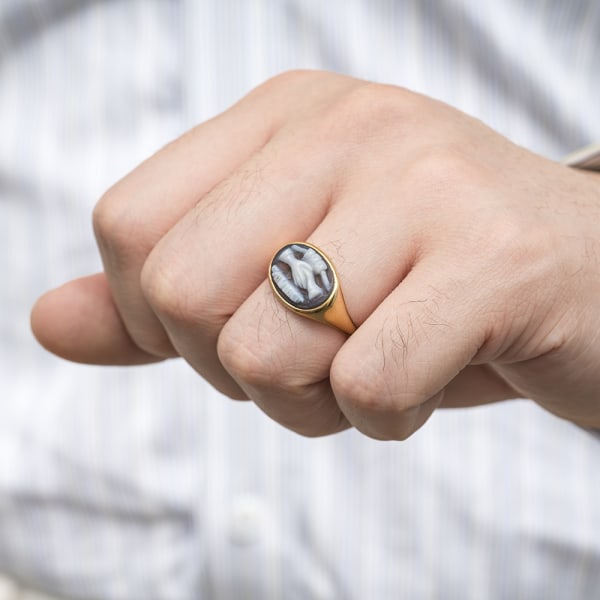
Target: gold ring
column 304, row 280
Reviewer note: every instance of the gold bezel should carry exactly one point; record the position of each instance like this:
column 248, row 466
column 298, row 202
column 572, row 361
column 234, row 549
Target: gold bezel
column 332, row 311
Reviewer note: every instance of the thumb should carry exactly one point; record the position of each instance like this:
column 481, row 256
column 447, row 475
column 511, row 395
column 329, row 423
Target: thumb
column 79, row 321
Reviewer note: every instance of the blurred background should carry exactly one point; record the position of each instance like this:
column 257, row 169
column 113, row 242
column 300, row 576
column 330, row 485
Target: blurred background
column 145, row 484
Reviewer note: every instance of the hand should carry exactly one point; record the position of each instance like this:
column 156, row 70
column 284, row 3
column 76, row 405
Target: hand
column 470, row 265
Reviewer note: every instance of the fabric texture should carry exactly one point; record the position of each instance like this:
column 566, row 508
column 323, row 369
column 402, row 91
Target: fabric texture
column 145, row 483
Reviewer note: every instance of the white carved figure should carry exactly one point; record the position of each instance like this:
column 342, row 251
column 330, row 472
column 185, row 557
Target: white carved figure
column 318, row 265
column 285, row 285
column 302, row 273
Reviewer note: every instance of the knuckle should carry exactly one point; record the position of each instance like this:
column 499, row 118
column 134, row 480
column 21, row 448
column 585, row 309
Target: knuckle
column 361, row 390
column 259, row 362
column 371, row 406
column 167, row 290
column 245, row 362
column 302, row 79
column 112, row 222
column 381, row 387
column 380, row 103
column 446, row 168
column 290, row 86
column 374, row 406
column 183, row 294
column 290, row 77
column 370, row 110
column 124, row 239
column 508, row 235
column 282, row 390
column 518, row 246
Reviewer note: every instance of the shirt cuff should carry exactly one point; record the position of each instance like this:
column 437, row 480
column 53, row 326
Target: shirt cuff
column 585, row 158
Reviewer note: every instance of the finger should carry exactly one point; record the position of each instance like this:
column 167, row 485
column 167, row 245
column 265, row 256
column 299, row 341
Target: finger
column 134, row 214
column 139, row 210
column 422, row 336
column 80, row 322
column 215, row 257
column 282, row 363
column 476, row 385
column 282, row 360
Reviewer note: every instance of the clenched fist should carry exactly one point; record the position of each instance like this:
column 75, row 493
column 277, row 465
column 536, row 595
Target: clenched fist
column 470, row 266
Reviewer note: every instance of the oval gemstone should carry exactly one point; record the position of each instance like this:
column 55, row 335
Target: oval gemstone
column 302, row 276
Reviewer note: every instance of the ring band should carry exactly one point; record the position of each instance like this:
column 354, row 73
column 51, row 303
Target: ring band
column 304, row 280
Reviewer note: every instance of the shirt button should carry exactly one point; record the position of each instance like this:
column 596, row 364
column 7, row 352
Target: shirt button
column 247, row 519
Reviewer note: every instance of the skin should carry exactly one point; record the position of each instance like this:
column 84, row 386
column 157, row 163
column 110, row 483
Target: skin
column 470, row 265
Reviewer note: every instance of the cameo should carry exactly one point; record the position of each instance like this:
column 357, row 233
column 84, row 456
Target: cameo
column 302, row 276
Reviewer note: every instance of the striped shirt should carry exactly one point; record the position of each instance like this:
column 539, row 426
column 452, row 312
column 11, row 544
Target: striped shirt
column 144, row 483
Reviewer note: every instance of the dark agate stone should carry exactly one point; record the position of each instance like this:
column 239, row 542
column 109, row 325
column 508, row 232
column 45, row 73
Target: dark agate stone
column 301, row 275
